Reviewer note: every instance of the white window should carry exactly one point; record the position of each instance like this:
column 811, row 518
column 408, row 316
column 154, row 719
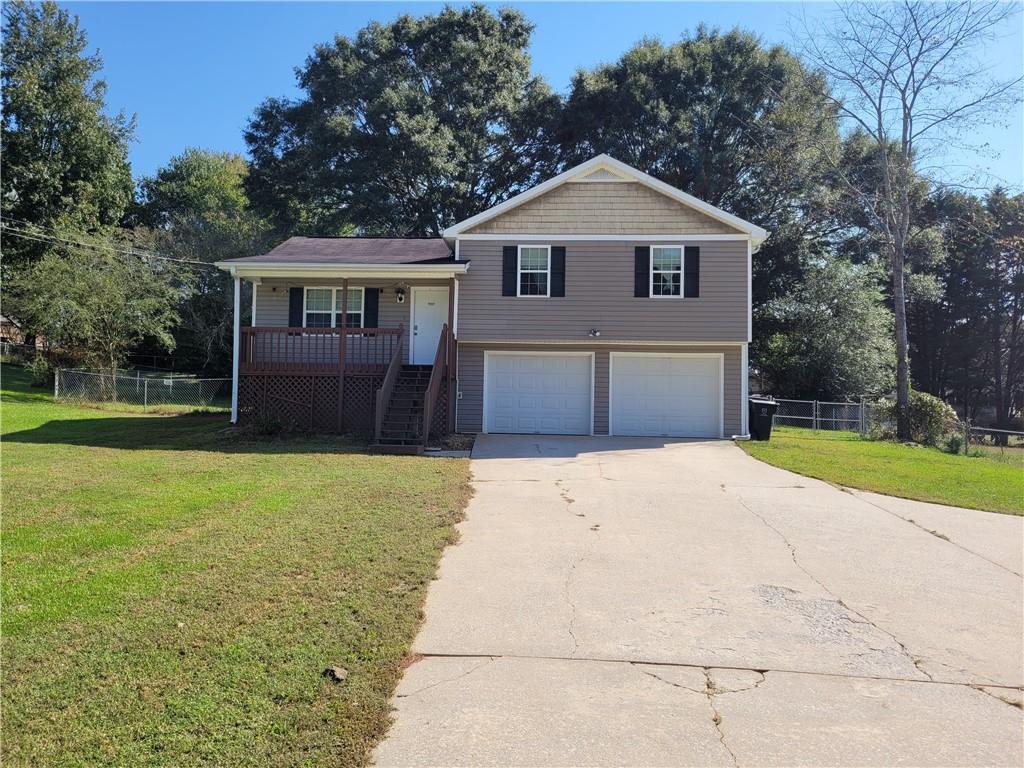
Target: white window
column 534, row 270
column 667, row 270
column 323, row 308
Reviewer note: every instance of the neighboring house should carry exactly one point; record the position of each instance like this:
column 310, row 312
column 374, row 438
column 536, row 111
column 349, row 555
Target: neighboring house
column 602, row 301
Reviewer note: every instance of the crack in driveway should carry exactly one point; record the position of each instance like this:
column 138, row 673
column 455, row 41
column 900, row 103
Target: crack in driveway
column 936, row 534
column 916, row 661
column 486, row 660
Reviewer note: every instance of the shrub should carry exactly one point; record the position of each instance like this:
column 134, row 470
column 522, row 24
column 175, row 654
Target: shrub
column 930, row 419
column 40, row 371
column 954, row 442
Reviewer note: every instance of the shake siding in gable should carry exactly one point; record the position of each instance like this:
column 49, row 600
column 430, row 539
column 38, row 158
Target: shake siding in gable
column 599, row 294
column 603, row 208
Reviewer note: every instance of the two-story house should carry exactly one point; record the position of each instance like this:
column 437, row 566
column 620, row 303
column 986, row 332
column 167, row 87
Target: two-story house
column 601, row 302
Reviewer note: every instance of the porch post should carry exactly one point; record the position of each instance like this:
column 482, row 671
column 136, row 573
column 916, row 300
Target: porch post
column 236, row 341
column 450, row 352
column 342, row 353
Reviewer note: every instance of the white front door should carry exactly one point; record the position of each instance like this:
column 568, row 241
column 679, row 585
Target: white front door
column 536, row 393
column 429, row 314
column 666, row 395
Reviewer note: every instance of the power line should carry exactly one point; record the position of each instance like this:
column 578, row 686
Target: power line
column 42, row 237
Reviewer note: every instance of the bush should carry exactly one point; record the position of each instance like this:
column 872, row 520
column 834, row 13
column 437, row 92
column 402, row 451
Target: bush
column 40, row 371
column 954, row 442
column 930, row 419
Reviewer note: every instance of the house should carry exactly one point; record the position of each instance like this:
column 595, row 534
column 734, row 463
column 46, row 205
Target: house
column 602, row 301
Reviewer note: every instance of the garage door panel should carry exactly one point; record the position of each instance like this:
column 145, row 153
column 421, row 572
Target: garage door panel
column 670, row 396
column 539, row 394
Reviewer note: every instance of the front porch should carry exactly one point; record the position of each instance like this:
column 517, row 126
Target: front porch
column 368, row 349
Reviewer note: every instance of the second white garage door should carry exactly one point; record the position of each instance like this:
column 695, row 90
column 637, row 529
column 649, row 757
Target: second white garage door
column 666, row 395
column 545, row 394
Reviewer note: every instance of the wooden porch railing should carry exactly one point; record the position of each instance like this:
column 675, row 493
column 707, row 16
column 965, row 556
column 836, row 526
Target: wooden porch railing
column 437, row 375
column 318, row 350
column 387, row 387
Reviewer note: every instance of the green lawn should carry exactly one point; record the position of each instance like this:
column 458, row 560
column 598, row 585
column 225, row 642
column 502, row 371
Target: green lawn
column 171, row 594
column 912, row 472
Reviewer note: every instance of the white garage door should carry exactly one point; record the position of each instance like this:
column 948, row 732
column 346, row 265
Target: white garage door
column 666, row 395
column 538, row 394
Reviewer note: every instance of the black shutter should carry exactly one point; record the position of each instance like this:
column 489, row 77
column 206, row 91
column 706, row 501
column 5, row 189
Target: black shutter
column 691, row 272
column 295, row 319
column 558, row 270
column 509, row 267
column 642, row 272
column 371, row 305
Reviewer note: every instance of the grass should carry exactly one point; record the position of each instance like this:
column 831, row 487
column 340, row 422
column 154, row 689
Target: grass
column 911, row 472
column 171, row 594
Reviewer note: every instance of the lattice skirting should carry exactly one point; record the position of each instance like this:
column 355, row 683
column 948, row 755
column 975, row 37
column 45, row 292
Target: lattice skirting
column 309, row 403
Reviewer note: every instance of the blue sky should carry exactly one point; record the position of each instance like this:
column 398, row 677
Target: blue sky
column 193, row 72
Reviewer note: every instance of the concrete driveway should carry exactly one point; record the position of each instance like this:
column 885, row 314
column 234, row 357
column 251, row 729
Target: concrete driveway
column 643, row 602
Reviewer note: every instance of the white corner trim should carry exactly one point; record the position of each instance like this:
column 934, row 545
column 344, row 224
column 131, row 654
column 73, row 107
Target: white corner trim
column 744, row 392
column 750, row 292
column 629, row 238
column 618, row 168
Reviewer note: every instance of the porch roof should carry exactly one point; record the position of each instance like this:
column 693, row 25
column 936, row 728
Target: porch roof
column 356, row 256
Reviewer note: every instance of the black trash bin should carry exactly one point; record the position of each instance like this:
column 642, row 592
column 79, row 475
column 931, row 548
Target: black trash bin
column 762, row 414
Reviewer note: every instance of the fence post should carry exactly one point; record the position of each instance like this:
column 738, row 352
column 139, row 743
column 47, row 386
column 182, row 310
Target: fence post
column 145, row 393
column 56, row 385
column 814, row 415
column 967, row 435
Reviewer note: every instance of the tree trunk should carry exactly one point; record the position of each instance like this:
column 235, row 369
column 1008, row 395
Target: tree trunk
column 899, row 301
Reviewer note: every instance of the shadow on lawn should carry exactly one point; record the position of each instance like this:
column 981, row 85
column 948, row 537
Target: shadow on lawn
column 187, row 432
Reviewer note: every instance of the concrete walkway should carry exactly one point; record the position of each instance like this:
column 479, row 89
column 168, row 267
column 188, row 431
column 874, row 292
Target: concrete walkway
column 647, row 602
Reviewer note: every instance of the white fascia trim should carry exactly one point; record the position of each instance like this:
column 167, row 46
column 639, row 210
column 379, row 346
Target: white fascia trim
column 615, row 166
column 343, row 270
column 639, row 237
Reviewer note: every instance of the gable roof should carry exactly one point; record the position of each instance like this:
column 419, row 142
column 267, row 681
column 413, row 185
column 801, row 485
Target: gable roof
column 606, row 168
column 353, row 250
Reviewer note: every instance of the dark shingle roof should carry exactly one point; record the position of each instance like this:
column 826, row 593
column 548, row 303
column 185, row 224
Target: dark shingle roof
column 354, row 250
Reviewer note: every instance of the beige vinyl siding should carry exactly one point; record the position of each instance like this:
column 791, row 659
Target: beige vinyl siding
column 603, row 208
column 272, row 301
column 599, row 294
column 471, row 378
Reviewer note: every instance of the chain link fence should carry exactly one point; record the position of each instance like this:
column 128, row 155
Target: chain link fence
column 818, row 414
column 144, row 390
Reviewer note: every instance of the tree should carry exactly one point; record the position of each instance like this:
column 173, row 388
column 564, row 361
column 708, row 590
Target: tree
column 98, row 302
column 831, row 338
column 406, row 128
column 968, row 344
column 726, row 119
column 196, row 209
column 65, row 166
column 904, row 74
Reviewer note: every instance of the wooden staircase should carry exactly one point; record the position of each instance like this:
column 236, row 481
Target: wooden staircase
column 402, row 425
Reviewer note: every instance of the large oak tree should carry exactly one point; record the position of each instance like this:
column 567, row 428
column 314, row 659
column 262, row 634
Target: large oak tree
column 65, row 161
column 405, row 128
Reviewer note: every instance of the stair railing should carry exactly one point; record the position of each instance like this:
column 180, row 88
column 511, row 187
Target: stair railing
column 437, row 374
column 388, row 386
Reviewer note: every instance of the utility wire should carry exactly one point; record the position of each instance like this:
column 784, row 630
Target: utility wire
column 42, row 237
